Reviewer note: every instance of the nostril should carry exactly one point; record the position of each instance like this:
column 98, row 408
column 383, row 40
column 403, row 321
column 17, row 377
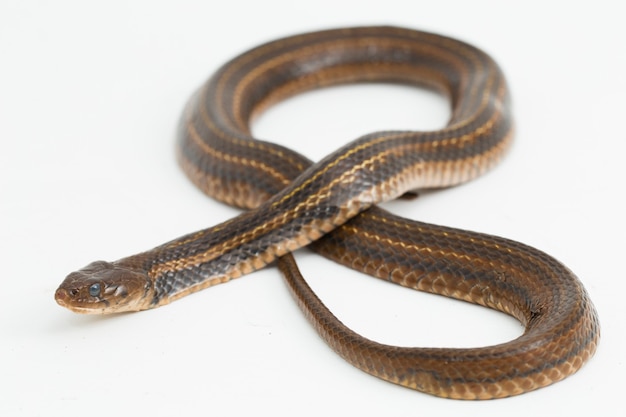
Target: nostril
column 74, row 292
column 60, row 296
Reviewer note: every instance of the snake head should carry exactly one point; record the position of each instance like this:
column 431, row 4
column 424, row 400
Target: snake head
column 103, row 288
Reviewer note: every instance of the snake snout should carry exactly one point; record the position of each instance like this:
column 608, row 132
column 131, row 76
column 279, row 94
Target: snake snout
column 60, row 296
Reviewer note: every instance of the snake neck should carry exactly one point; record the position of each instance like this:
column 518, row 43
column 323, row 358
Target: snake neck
column 321, row 199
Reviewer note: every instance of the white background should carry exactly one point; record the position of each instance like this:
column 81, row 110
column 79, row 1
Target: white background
column 89, row 99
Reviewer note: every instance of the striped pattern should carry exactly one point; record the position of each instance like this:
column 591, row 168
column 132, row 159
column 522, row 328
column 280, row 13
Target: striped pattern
column 332, row 204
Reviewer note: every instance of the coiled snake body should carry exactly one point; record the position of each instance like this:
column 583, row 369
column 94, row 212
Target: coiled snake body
column 331, row 206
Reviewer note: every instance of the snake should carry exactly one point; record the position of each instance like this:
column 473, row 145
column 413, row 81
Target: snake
column 331, row 207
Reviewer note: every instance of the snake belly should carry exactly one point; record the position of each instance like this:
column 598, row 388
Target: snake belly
column 331, row 207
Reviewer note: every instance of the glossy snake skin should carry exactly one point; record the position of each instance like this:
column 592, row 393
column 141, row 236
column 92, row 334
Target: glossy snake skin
column 330, row 206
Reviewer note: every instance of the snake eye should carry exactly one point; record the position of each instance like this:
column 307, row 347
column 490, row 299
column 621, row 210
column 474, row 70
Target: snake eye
column 94, row 290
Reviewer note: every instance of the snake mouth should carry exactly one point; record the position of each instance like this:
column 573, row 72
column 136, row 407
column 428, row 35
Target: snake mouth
column 64, row 299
